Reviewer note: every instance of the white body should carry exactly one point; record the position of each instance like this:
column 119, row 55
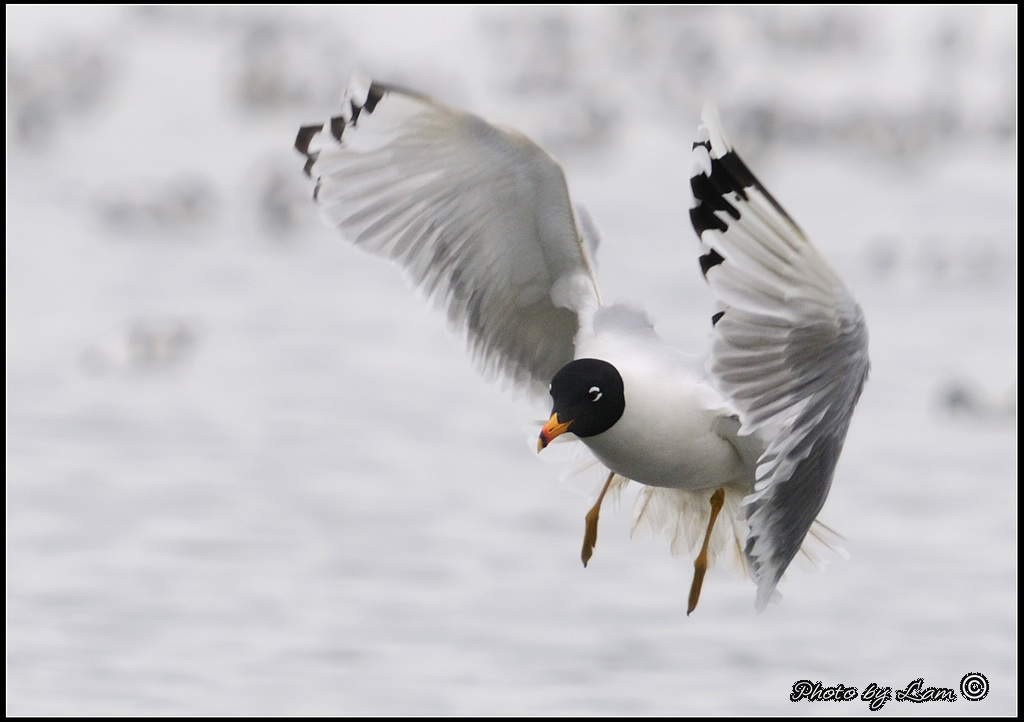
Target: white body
column 689, row 447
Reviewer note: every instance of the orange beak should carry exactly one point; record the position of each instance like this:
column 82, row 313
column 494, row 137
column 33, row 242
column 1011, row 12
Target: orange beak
column 552, row 429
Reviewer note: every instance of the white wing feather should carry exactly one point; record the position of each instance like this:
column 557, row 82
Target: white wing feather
column 478, row 217
column 789, row 349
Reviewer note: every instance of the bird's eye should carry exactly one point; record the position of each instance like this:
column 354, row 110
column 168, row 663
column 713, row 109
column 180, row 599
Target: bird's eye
column 594, row 394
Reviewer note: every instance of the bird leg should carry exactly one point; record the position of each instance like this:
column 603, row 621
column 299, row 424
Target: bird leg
column 700, row 564
column 590, row 533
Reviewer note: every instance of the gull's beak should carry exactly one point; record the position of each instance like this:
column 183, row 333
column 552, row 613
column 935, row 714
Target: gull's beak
column 551, row 429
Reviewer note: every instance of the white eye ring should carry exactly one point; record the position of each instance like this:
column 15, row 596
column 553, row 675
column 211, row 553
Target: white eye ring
column 594, row 394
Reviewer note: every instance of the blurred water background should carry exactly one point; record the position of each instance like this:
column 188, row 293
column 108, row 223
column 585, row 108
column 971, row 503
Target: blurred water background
column 249, row 473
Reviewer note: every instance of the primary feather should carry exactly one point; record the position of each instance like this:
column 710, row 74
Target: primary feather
column 478, row 217
column 789, row 348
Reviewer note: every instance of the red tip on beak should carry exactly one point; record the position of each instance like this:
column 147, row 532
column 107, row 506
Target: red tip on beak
column 552, row 429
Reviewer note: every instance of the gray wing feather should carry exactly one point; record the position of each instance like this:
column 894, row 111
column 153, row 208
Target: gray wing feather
column 478, row 217
column 789, row 348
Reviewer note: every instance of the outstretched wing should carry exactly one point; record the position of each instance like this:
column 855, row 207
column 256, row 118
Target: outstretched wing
column 478, row 217
column 789, row 348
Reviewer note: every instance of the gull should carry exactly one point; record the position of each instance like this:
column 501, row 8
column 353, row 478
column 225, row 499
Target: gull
column 480, row 220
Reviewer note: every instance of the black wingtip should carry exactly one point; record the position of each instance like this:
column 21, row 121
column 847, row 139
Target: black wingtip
column 304, row 136
column 709, row 260
column 373, row 97
column 310, row 161
column 730, row 178
column 710, row 197
column 338, row 125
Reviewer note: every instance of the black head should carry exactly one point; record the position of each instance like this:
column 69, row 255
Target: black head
column 588, row 395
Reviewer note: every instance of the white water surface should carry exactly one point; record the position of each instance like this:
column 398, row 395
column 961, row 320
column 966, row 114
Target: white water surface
column 250, row 473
